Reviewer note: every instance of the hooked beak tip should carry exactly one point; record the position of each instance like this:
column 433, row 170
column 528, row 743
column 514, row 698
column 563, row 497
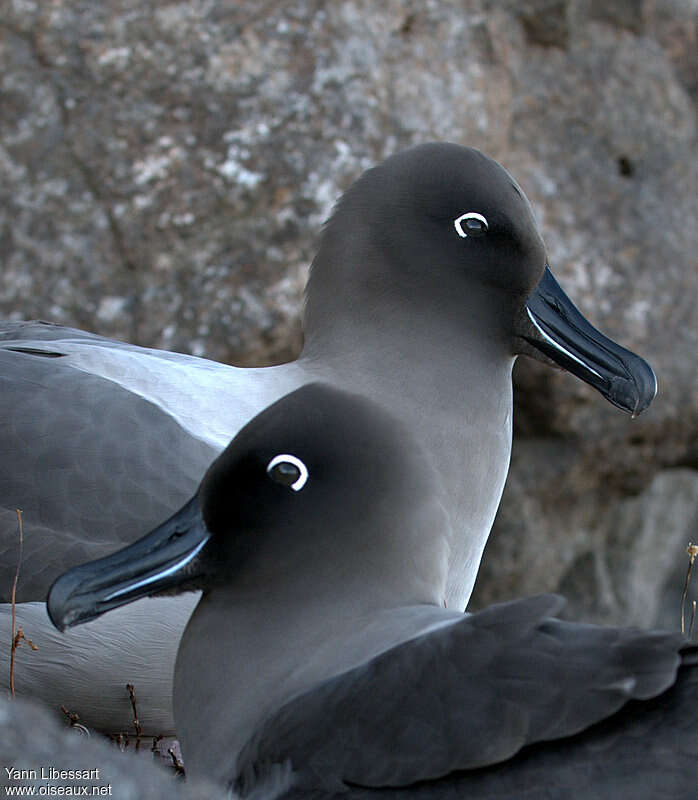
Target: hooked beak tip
column 647, row 393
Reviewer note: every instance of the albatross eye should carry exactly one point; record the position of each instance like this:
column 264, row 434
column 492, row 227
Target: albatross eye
column 471, row 224
column 288, row 470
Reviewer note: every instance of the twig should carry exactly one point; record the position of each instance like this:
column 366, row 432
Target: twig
column 178, row 766
column 120, row 741
column 17, row 633
column 692, row 551
column 693, row 619
column 20, row 637
column 14, row 644
column 136, row 723
column 75, row 721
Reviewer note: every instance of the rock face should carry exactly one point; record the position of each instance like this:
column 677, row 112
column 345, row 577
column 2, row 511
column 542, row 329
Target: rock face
column 35, row 748
column 166, row 169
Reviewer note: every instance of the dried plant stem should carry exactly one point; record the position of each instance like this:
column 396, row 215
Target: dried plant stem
column 17, row 633
column 693, row 619
column 75, row 721
column 178, row 766
column 136, row 722
column 692, row 551
column 16, row 637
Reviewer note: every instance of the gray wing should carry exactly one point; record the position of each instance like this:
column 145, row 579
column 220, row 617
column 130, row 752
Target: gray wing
column 91, row 464
column 646, row 751
column 466, row 696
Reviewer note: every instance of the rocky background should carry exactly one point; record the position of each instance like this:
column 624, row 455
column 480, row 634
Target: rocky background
column 165, row 169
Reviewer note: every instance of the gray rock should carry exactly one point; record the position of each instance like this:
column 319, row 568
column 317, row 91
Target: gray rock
column 35, row 748
column 166, row 169
column 619, row 558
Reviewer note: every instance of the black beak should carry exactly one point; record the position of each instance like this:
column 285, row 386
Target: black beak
column 162, row 560
column 559, row 331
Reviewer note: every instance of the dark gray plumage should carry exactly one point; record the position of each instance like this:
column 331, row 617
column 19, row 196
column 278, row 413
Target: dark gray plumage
column 648, row 751
column 320, row 659
column 469, row 695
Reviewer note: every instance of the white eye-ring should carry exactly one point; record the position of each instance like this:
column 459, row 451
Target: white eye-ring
column 475, row 224
column 288, row 470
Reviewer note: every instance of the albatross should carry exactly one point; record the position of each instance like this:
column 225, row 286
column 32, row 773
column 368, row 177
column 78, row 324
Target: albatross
column 430, row 278
column 320, row 660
